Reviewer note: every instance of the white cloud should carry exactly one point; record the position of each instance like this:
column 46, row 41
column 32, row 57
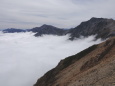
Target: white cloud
column 24, row 58
column 61, row 13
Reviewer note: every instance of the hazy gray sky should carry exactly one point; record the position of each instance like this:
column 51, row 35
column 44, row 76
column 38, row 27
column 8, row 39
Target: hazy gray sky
column 60, row 13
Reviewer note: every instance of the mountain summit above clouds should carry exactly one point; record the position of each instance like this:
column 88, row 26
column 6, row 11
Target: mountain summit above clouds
column 49, row 30
column 101, row 27
column 94, row 66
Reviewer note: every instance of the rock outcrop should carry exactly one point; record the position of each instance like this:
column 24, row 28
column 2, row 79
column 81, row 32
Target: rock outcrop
column 101, row 27
column 48, row 30
column 94, row 66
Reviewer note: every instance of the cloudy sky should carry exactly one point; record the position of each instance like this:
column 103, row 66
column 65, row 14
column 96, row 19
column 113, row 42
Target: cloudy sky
column 60, row 13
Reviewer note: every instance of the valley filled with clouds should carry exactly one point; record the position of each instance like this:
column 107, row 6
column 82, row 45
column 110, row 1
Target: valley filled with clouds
column 24, row 58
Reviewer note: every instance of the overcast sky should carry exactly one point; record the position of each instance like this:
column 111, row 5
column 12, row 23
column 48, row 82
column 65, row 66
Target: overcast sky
column 60, row 13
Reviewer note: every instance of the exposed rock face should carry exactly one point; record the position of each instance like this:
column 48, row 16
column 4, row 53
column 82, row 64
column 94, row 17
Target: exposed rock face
column 94, row 66
column 101, row 27
column 48, row 29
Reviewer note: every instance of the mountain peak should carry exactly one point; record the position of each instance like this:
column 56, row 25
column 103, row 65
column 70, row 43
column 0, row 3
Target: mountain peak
column 48, row 29
column 45, row 25
column 93, row 18
column 96, row 19
column 101, row 27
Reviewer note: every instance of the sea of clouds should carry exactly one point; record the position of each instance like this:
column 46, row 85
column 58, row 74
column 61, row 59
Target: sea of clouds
column 24, row 58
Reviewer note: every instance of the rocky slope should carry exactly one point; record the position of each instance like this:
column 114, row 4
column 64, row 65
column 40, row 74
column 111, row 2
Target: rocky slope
column 101, row 27
column 94, row 66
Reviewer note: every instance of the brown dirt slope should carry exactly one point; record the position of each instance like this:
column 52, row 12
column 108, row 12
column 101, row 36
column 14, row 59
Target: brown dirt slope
column 94, row 66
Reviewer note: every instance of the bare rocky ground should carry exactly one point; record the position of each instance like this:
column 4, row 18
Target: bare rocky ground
column 94, row 66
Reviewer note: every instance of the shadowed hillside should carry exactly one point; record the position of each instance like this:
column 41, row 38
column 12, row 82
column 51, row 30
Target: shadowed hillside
column 101, row 27
column 91, row 67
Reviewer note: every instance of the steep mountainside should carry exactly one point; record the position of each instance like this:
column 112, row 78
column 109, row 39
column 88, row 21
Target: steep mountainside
column 101, row 27
column 48, row 29
column 94, row 66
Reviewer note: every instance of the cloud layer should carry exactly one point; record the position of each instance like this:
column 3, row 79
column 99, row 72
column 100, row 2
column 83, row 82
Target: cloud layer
column 61, row 13
column 24, row 58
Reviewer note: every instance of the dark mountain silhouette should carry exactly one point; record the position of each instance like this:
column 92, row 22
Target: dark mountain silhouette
column 101, row 27
column 94, row 66
column 49, row 30
column 13, row 30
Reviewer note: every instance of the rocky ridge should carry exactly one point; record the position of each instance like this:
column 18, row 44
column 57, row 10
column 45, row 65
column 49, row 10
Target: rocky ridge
column 101, row 27
column 48, row 30
column 94, row 66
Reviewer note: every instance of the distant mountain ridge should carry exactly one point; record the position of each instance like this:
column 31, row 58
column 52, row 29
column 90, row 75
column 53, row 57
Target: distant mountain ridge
column 101, row 27
column 13, row 30
column 49, row 30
